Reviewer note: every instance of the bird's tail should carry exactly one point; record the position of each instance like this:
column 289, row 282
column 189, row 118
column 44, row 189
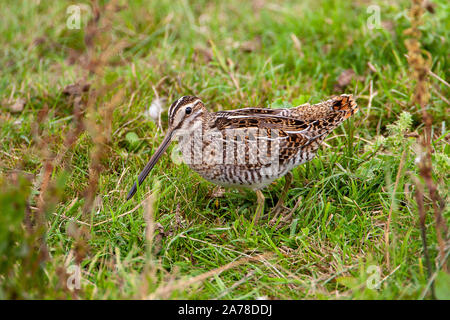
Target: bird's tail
column 346, row 104
column 338, row 109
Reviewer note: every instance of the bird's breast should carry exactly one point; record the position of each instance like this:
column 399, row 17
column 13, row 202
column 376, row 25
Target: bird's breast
column 239, row 158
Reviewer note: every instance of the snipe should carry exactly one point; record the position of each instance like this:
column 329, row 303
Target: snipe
column 251, row 147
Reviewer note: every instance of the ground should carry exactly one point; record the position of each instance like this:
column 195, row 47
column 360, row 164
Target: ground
column 75, row 132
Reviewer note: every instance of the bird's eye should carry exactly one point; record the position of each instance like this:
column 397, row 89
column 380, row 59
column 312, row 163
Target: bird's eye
column 188, row 110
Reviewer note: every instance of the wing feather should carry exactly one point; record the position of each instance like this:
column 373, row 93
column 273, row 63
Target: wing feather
column 289, row 133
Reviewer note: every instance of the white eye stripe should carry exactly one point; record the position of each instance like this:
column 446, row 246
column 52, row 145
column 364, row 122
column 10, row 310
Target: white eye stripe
column 192, row 104
column 175, row 107
column 179, row 105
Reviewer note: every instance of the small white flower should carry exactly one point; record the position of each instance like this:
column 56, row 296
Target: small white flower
column 154, row 111
column 418, row 159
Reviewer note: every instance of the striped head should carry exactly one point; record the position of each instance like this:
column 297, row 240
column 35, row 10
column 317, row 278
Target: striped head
column 183, row 115
column 184, row 112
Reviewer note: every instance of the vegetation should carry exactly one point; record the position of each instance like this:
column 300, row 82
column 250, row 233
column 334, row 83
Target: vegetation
column 75, row 131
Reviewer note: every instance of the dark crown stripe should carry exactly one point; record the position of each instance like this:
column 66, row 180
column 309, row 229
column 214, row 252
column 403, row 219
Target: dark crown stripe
column 175, row 106
column 185, row 100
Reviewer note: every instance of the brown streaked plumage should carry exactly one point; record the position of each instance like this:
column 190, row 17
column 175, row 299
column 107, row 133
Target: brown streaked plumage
column 251, row 147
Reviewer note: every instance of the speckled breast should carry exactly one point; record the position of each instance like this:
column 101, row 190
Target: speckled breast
column 237, row 158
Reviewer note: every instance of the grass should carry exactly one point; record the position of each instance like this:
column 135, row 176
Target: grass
column 203, row 246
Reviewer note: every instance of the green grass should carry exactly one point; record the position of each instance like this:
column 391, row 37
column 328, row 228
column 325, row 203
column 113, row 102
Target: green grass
column 198, row 47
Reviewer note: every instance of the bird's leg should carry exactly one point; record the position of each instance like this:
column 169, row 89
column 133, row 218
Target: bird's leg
column 280, row 204
column 260, row 205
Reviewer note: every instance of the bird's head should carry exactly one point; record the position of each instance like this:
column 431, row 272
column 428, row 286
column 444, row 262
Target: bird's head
column 184, row 115
column 184, row 112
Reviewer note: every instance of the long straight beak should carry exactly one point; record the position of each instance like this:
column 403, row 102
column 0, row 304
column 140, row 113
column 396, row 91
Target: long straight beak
column 149, row 166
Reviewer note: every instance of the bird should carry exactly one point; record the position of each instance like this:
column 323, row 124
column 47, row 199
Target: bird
column 249, row 148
